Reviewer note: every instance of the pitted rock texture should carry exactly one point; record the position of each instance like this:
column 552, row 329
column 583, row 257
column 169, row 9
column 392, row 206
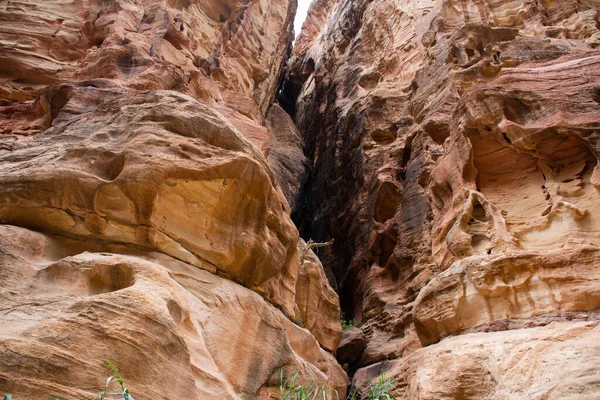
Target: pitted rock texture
column 146, row 178
column 453, row 150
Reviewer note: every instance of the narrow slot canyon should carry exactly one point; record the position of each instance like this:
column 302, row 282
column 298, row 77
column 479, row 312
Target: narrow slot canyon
column 456, row 180
column 396, row 199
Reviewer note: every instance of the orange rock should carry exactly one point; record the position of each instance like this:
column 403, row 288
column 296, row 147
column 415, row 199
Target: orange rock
column 173, row 330
column 453, row 150
column 145, row 175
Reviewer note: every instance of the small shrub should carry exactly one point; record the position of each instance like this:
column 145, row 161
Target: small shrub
column 377, row 391
column 291, row 390
column 381, row 389
column 123, row 394
column 347, row 324
column 291, row 60
column 299, row 322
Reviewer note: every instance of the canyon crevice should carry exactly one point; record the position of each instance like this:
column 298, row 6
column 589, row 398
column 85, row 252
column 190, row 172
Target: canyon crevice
column 163, row 164
column 453, row 156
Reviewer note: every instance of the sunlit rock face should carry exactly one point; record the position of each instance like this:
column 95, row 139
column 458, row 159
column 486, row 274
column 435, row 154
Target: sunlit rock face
column 454, row 155
column 146, row 178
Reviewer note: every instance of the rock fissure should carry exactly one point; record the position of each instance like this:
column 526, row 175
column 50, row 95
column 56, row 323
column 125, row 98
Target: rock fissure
column 452, row 156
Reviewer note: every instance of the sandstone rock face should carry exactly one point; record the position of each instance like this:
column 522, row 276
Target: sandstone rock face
column 557, row 361
column 454, row 155
column 145, row 175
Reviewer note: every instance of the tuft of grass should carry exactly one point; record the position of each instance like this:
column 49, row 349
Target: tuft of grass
column 347, row 324
column 122, row 394
column 105, row 394
column 291, row 60
column 291, row 390
column 381, row 389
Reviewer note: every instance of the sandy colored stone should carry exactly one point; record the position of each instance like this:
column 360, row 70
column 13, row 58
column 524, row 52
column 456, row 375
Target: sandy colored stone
column 557, row 361
column 353, row 343
column 318, row 305
column 146, row 178
column 172, row 329
column 476, row 291
column 453, row 150
column 225, row 50
column 161, row 171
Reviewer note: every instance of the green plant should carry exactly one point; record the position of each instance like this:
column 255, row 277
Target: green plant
column 377, row 391
column 123, row 394
column 347, row 324
column 292, row 60
column 291, row 390
column 299, row 322
column 381, row 389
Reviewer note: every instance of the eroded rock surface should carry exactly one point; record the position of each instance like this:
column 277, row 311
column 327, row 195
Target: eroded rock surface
column 453, row 148
column 145, row 183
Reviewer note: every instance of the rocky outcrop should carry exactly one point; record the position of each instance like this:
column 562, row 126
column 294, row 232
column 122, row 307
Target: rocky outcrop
column 174, row 330
column 145, row 179
column 557, row 361
column 453, row 150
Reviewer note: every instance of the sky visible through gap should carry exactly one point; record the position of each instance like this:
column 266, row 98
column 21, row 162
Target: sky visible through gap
column 301, row 15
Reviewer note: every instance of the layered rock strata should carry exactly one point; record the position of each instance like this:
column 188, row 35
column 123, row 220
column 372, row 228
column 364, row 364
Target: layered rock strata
column 145, row 183
column 453, row 150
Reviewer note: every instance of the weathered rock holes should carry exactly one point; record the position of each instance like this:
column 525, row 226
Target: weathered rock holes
column 496, row 57
column 477, row 227
column 454, row 56
column 383, row 136
column 308, row 67
column 508, row 179
column 547, row 211
column 81, row 277
column 175, row 311
column 58, row 97
column 516, row 110
column 384, row 246
column 439, row 132
column 596, row 94
column 109, row 166
column 529, row 186
column 175, row 38
column 110, row 278
column 369, row 81
column 479, row 212
column 388, row 201
column 126, row 62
